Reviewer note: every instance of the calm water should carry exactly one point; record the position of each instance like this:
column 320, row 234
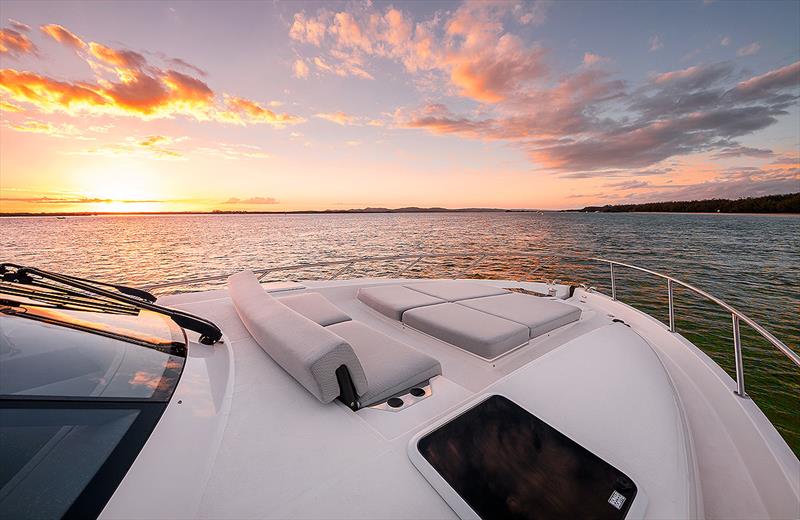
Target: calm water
column 753, row 262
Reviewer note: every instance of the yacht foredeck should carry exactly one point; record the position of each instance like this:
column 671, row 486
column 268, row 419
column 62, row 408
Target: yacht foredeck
column 242, row 439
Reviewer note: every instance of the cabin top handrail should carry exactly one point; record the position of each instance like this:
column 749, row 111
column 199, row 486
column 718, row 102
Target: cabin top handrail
column 482, row 255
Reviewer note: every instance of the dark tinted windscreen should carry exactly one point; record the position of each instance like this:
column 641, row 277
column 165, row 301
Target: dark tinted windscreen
column 506, row 463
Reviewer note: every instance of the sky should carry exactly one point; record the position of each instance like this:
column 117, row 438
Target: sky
column 283, row 106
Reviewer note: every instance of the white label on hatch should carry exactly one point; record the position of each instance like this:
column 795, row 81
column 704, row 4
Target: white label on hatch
column 616, row 500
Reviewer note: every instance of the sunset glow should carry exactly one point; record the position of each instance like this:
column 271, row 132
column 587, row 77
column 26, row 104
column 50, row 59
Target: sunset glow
column 262, row 106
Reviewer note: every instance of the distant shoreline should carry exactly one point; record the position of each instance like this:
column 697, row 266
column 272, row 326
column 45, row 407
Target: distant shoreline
column 787, row 204
column 365, row 211
column 300, row 213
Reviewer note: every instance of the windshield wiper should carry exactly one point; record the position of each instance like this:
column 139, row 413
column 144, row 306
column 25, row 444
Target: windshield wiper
column 58, row 300
column 137, row 298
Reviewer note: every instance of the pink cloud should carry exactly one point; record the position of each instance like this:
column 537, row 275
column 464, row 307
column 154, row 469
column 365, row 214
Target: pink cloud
column 14, row 43
column 63, row 36
column 590, row 59
column 749, row 50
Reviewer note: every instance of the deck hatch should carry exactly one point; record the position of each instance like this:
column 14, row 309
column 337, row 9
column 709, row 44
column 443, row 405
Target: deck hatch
column 506, row 463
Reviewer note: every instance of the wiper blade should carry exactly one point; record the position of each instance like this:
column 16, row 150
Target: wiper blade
column 20, row 273
column 67, row 302
column 209, row 332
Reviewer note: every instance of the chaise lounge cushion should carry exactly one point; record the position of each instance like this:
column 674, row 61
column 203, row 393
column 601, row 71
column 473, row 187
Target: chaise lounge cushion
column 307, row 351
column 452, row 290
column 391, row 366
column 475, row 331
column 394, row 300
column 315, row 307
column 540, row 315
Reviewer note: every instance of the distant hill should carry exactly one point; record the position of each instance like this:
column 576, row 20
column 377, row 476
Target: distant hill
column 412, row 209
column 789, row 203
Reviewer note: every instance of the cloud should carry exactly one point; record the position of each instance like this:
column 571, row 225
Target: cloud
column 127, row 84
column 743, row 151
column 566, row 128
column 471, row 48
column 749, row 50
column 55, row 200
column 123, row 59
column 769, row 84
column 340, row 118
column 347, row 67
column 15, row 44
column 63, row 36
column 47, row 128
column 19, row 26
column 532, row 13
column 162, row 147
column 729, row 184
column 590, row 59
column 251, row 200
column 300, row 69
column 156, row 147
column 246, row 111
column 233, row 151
column 655, row 43
column 9, row 107
column 183, row 64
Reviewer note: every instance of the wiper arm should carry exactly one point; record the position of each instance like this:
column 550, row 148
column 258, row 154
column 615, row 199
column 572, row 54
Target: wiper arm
column 209, row 332
column 20, row 274
column 77, row 301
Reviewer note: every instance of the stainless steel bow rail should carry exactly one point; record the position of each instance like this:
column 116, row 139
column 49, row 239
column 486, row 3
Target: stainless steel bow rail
column 477, row 257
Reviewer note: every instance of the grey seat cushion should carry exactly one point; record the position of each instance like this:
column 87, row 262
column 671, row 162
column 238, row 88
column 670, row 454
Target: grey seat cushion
column 394, row 300
column 540, row 315
column 306, row 350
column 475, row 331
column 452, row 290
column 390, row 366
column 315, row 307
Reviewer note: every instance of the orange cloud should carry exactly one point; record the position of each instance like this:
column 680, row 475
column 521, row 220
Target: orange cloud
column 140, row 90
column 118, row 58
column 482, row 61
column 49, row 94
column 14, row 43
column 340, row 118
column 9, row 107
column 63, row 36
column 47, row 128
column 242, row 110
column 300, row 69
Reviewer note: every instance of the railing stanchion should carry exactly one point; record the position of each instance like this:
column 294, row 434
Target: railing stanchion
column 613, row 283
column 671, row 306
column 737, row 351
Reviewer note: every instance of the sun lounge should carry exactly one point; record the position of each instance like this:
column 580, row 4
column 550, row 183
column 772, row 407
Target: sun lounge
column 540, row 315
column 453, row 290
column 314, row 354
column 474, row 331
column 393, row 300
column 485, row 320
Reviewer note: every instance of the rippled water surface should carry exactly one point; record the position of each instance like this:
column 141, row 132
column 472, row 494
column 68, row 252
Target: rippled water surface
column 753, row 262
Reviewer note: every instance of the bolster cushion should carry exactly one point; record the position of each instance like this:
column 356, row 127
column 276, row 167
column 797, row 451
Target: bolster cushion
column 306, row 350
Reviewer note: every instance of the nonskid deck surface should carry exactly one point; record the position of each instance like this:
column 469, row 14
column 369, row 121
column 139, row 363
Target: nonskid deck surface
column 268, row 448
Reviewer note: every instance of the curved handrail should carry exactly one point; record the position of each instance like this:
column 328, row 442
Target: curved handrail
column 736, row 315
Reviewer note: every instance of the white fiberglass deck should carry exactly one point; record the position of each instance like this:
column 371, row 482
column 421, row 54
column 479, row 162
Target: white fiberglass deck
column 242, row 439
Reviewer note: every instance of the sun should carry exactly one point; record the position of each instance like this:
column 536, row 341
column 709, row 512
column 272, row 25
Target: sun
column 126, row 188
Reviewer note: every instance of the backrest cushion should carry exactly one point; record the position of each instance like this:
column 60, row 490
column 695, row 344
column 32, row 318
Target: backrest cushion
column 307, row 351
